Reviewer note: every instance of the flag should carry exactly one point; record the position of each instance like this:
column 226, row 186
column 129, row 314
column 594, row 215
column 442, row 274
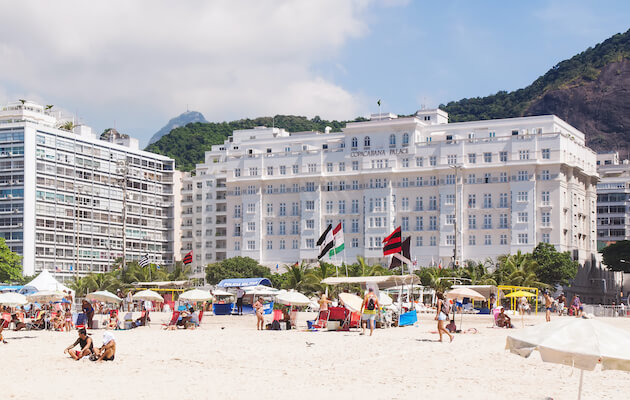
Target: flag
column 440, row 264
column 144, row 261
column 338, row 244
column 392, row 243
column 188, row 258
column 325, row 242
column 277, row 267
column 397, row 260
column 379, row 102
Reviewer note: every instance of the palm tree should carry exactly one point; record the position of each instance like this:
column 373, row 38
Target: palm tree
column 518, row 270
column 300, row 279
column 180, row 273
column 477, row 273
column 362, row 269
column 437, row 278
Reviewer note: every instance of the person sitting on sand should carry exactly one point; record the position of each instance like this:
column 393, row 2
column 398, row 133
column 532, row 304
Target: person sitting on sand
column 107, row 352
column 58, row 321
column 260, row 319
column 503, row 321
column 84, row 342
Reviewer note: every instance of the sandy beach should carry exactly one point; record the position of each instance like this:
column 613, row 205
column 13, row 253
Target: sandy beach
column 227, row 358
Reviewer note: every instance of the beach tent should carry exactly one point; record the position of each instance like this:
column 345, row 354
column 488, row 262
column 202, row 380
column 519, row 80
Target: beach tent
column 45, row 281
column 244, row 282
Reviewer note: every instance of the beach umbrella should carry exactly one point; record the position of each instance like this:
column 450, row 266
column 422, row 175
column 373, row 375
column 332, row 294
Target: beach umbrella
column 46, row 296
column 351, row 301
column 521, row 293
column 384, row 299
column 461, row 293
column 147, row 295
column 293, row 299
column 12, row 299
column 104, row 296
column 582, row 343
column 196, row 295
column 220, row 292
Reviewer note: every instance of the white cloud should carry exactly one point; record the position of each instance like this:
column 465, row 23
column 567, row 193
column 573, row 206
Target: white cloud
column 227, row 59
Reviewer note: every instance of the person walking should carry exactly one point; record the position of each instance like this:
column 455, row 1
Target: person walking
column 369, row 308
column 443, row 310
column 240, row 293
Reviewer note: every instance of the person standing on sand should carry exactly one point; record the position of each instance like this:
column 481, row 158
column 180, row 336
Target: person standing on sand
column 369, row 307
column 239, row 300
column 260, row 320
column 548, row 304
column 324, row 302
column 443, row 309
column 561, row 302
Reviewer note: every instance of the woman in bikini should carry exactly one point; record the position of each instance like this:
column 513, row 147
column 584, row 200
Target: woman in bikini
column 260, row 320
column 441, row 315
column 84, row 342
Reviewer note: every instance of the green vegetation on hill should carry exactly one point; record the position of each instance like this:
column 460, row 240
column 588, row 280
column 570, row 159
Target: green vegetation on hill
column 582, row 68
column 187, row 144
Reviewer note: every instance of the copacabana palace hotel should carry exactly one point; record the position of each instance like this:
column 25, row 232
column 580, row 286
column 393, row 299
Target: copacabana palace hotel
column 461, row 191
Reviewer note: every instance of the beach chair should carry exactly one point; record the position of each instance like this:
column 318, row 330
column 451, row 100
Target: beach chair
column 200, row 316
column 5, row 320
column 37, row 322
column 174, row 318
column 81, row 321
column 321, row 321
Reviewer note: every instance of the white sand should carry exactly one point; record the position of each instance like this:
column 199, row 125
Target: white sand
column 238, row 362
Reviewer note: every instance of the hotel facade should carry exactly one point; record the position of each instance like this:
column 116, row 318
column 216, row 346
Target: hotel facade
column 471, row 190
column 69, row 199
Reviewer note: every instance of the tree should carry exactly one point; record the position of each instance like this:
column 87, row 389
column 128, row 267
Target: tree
column 518, row 269
column 235, row 267
column 301, row 279
column 617, row 256
column 10, row 264
column 554, row 268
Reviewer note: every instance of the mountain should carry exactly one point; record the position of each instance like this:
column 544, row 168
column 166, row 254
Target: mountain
column 181, row 120
column 591, row 91
column 187, row 144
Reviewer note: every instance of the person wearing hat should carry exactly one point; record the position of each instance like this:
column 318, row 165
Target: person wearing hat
column 108, row 350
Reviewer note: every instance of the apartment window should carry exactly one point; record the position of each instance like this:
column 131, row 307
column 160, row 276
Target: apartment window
column 503, row 200
column 237, row 229
column 419, row 181
column 296, row 169
column 487, row 221
column 283, row 209
column 472, row 222
column 487, row 157
column 544, row 175
column 269, row 245
column 546, row 154
column 419, row 205
column 251, row 208
column 433, row 241
column 342, row 166
column 355, row 226
column 419, row 241
column 545, row 218
column 472, row 240
column 237, row 172
column 310, row 224
column 472, row 200
column 269, row 209
column 503, row 221
column 450, row 199
column 472, row 158
column 545, row 238
column 329, row 207
column 503, row 156
column 521, row 197
column 405, row 204
column 419, row 223
column 451, row 159
column 471, row 178
column 545, row 198
column 294, row 244
column 522, row 238
column 432, row 223
column 450, row 219
column 253, row 171
column 269, row 228
column 282, row 244
column 419, row 161
column 355, row 242
column 503, row 239
column 237, row 246
column 487, row 200
column 432, row 203
column 366, row 142
column 523, row 154
column 523, row 176
column 355, row 165
column 342, row 185
column 522, row 217
column 310, row 243
column 295, row 227
column 450, row 240
column 283, row 170
column 342, row 206
column 450, row 179
column 251, row 226
column 433, row 161
column 503, row 177
column 405, row 224
column 282, row 228
column 237, row 211
column 487, row 240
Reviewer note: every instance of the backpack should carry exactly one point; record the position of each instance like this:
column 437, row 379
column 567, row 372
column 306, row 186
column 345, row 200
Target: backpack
column 370, row 304
column 275, row 325
column 446, row 308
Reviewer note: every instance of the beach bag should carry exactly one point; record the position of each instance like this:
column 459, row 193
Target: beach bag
column 446, row 308
column 275, row 325
column 370, row 304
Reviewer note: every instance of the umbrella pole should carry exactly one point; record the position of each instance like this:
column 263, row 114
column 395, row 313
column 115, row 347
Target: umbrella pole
column 580, row 388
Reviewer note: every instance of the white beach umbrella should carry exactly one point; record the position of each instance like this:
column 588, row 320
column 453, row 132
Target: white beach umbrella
column 384, row 299
column 196, row 295
column 293, row 298
column 12, row 299
column 46, row 296
column 463, row 292
column 582, row 343
column 104, row 296
column 220, row 292
column 351, row 301
column 147, row 295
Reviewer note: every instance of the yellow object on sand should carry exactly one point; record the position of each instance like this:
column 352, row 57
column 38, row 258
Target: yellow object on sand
column 520, row 293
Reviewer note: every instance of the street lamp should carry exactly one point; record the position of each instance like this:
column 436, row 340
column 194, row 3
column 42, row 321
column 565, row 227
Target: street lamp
column 122, row 168
column 456, row 167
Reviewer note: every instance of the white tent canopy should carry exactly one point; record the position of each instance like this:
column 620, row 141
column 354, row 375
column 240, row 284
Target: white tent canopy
column 383, row 282
column 45, row 281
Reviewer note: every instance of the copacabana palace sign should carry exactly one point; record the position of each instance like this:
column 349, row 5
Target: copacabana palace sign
column 372, row 153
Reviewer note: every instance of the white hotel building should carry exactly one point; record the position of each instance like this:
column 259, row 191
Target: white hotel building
column 61, row 196
column 486, row 188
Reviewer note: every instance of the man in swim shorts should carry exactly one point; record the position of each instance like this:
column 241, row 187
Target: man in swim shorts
column 548, row 303
column 108, row 350
column 369, row 308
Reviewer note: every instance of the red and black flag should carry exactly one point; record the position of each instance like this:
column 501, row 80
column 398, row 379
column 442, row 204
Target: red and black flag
column 397, row 261
column 392, row 243
column 188, row 258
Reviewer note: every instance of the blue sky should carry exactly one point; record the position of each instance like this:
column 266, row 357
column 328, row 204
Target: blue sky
column 135, row 65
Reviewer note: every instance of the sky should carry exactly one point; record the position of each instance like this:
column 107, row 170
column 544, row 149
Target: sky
column 134, row 65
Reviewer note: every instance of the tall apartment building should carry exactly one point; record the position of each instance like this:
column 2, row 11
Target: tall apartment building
column 479, row 189
column 62, row 195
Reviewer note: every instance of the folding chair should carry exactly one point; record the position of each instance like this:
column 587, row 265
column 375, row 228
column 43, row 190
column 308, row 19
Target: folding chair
column 173, row 320
column 322, row 320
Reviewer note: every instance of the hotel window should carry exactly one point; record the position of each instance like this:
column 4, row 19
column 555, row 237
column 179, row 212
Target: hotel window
column 522, row 238
column 433, row 241
column 487, row 157
column 503, row 156
column 282, row 244
column 269, row 209
column 329, row 207
column 503, row 221
column 355, row 242
column 310, row 224
column 283, row 170
column 450, row 199
column 450, row 219
column 251, row 226
column 405, row 182
column 546, row 154
column 237, row 246
column 392, row 140
column 472, row 240
column 419, row 205
column 405, row 139
column 503, row 239
column 487, row 221
column 503, row 177
column 282, row 228
column 487, row 200
column 312, row 168
column 472, row 222
column 283, row 209
column 366, row 142
column 405, row 224
column 433, row 161
column 405, row 204
column 471, row 178
column 237, row 172
column 522, row 217
column 269, row 189
column 283, row 188
column 237, row 191
column 492, row 134
column 487, row 177
column 269, row 171
column 419, row 224
column 419, row 161
column 544, row 175
column 472, row 200
column 450, row 240
column 521, row 197
column 310, row 205
column 296, row 169
column 295, row 227
column 450, row 179
column 355, row 206
column 310, row 243
column 355, row 165
column 354, row 142
column 405, row 163
column 237, row 211
column 342, row 166
column 432, row 223
column 487, row 240
column 545, row 238
column 419, row 241
column 310, row 186
column 269, row 228
column 355, row 185
column 342, row 185
column 251, row 208
column 545, row 198
column 522, row 176
column 355, row 226
column 294, row 244
column 472, row 158
column 451, row 159
column 523, row 154
column 253, row 171
column 329, row 167
column 546, row 218
column 237, row 229
column 419, row 181
column 342, row 206
column 433, row 180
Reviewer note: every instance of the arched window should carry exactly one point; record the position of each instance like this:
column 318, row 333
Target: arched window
column 392, row 140
column 366, row 141
column 355, row 143
column 405, row 141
